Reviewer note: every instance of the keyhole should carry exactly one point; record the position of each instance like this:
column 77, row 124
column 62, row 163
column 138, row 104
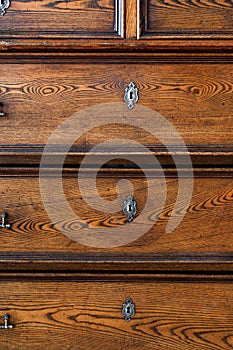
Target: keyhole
column 130, row 207
column 128, row 310
column 2, row 2
column 131, row 95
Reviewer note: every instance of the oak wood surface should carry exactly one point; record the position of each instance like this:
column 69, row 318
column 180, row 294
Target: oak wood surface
column 131, row 8
column 206, row 227
column 211, row 158
column 195, row 98
column 46, row 25
column 182, row 65
column 164, row 47
column 70, row 312
column 189, row 18
column 85, row 18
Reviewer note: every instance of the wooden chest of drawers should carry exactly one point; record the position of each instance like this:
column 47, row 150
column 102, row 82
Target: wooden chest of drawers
column 160, row 73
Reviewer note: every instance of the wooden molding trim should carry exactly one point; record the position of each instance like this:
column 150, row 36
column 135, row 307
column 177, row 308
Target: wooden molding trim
column 177, row 262
column 209, row 156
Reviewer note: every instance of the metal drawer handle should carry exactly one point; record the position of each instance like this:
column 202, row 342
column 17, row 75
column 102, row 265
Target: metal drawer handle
column 3, row 224
column 130, row 208
column 1, row 106
column 4, row 4
column 131, row 95
column 128, row 309
column 6, row 325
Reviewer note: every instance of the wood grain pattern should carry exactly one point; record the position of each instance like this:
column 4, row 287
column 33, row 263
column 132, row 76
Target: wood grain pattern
column 188, row 18
column 44, row 25
column 131, row 18
column 196, row 99
column 85, row 18
column 76, row 314
column 205, row 228
column 182, row 65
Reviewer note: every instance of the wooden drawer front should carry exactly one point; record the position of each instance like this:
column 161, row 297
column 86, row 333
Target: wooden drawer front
column 187, row 19
column 75, row 19
column 205, row 228
column 62, row 314
column 195, row 98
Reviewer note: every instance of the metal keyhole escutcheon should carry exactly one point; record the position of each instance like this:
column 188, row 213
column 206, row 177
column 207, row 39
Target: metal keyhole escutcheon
column 128, row 310
column 130, row 208
column 4, row 4
column 131, row 95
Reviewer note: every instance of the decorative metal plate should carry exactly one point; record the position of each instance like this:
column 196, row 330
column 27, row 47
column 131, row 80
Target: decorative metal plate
column 130, row 208
column 131, row 95
column 4, row 4
column 128, row 310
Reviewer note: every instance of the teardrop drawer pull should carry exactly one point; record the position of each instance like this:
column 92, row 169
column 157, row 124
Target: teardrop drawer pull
column 128, row 309
column 130, row 208
column 6, row 325
column 3, row 224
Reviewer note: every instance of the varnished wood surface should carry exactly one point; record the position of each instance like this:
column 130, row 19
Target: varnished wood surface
column 71, row 313
column 46, row 25
column 85, row 19
column 188, row 18
column 206, row 227
column 166, row 48
column 219, row 157
column 131, row 8
column 195, row 98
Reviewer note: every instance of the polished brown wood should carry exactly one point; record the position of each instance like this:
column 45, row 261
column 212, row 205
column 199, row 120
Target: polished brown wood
column 195, row 98
column 205, row 229
column 188, row 19
column 219, row 157
column 73, row 311
column 76, row 19
column 102, row 24
column 164, row 48
column 56, row 59
column 131, row 7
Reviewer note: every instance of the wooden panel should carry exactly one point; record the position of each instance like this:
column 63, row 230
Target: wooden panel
column 131, row 19
column 195, row 98
column 83, row 19
column 206, row 227
column 187, row 18
column 71, row 314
